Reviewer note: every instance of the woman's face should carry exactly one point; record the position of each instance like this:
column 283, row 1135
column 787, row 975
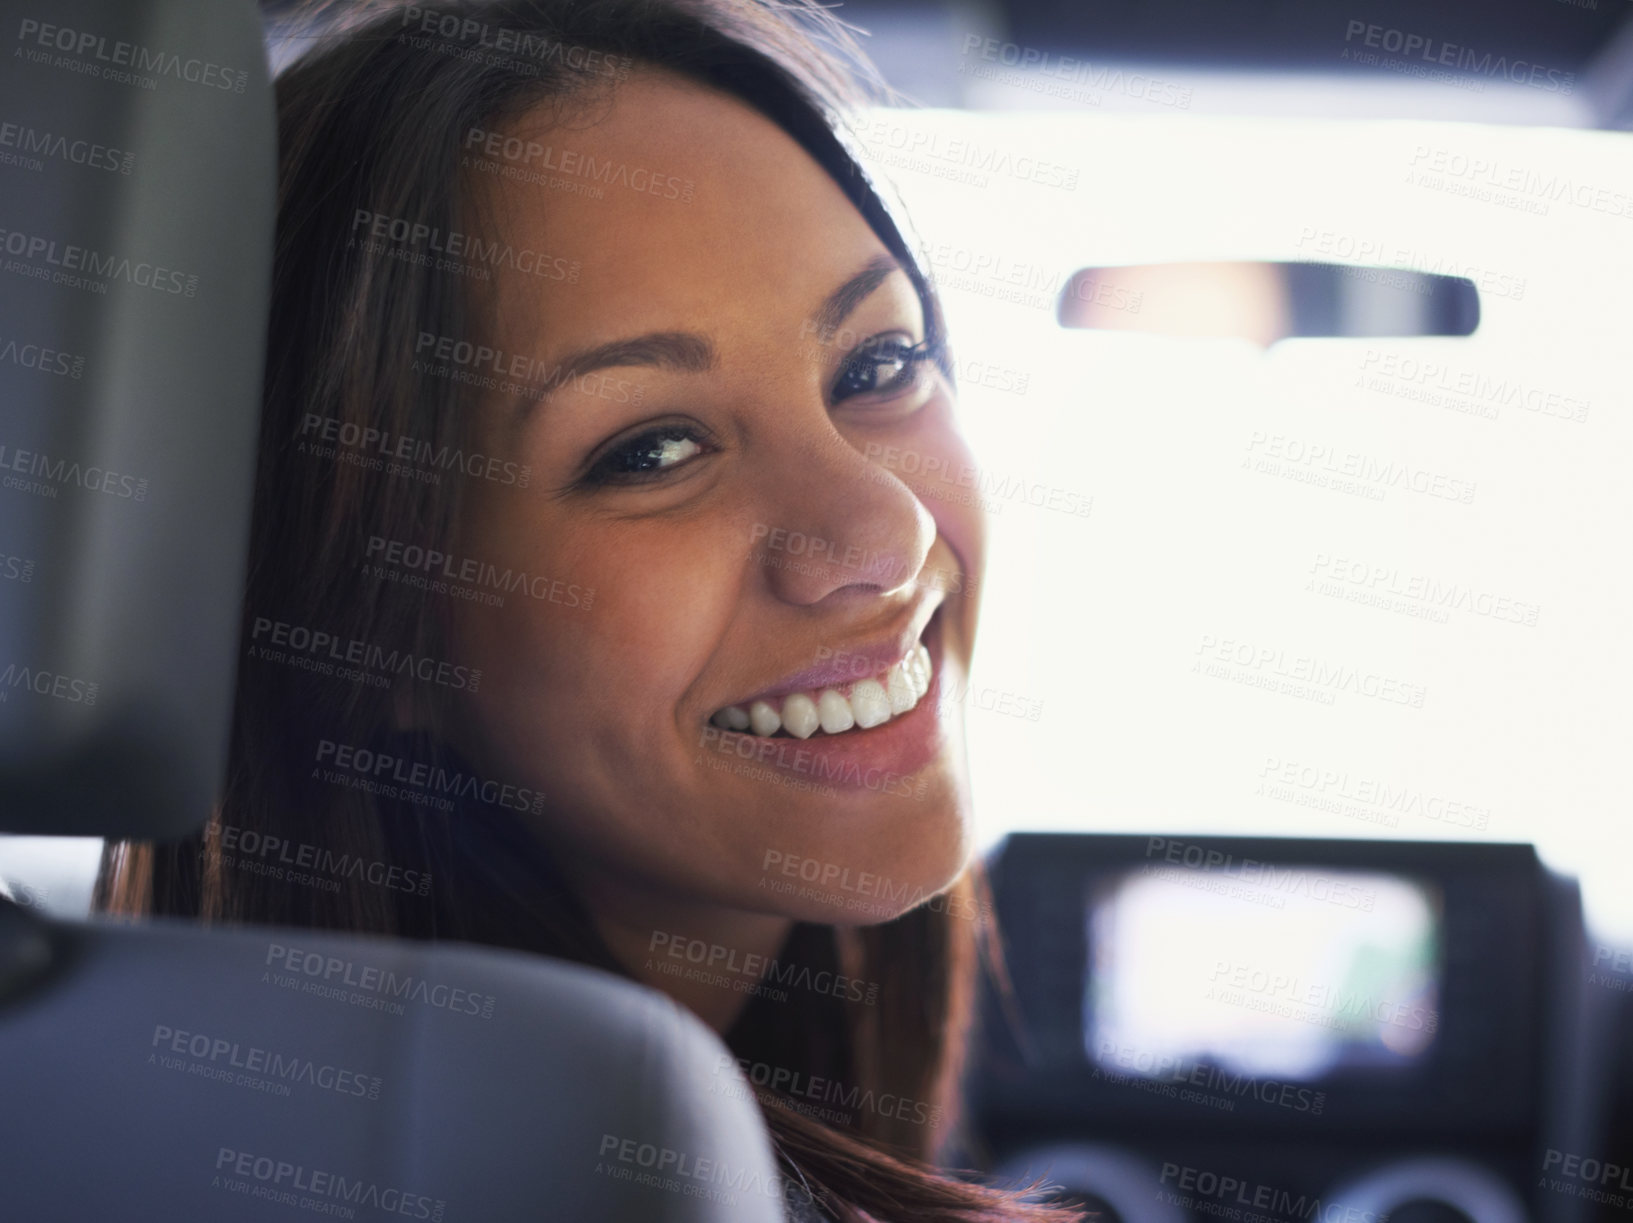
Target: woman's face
column 736, row 469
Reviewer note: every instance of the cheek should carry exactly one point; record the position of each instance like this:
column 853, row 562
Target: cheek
column 605, row 672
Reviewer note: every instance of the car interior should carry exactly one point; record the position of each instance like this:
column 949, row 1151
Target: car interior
column 1293, row 341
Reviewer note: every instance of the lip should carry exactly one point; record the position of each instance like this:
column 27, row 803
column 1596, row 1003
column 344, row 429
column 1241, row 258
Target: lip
column 876, row 654
column 881, row 758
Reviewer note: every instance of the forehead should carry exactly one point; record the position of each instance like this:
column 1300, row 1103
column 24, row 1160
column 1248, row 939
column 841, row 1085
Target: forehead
column 681, row 207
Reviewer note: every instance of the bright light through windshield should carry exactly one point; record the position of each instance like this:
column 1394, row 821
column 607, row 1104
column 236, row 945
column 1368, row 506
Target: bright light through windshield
column 1356, row 588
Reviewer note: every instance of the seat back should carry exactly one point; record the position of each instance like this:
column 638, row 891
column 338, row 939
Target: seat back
column 163, row 1073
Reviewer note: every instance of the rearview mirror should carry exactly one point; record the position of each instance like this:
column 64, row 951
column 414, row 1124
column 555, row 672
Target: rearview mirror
column 1266, row 302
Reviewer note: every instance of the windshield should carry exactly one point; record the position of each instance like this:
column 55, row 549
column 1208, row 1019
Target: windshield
column 1336, row 587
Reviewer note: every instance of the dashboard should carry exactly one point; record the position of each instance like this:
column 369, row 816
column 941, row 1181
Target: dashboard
column 1195, row 1026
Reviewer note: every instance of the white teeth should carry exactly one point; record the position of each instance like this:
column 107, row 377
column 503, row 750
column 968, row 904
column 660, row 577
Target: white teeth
column 763, row 719
column 919, row 668
column 799, row 716
column 835, row 712
column 901, row 688
column 871, row 702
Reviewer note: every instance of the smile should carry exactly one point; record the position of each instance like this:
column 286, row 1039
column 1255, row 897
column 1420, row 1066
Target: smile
column 834, row 710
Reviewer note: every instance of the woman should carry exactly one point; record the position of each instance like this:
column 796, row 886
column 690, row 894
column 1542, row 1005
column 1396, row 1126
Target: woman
column 590, row 589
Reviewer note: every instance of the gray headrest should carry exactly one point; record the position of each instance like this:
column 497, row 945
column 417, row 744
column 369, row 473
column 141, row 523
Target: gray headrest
column 138, row 162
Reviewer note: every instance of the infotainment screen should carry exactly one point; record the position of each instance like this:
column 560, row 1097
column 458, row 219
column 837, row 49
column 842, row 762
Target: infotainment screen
column 1261, row 969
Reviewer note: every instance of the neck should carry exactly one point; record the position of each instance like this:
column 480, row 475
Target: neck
column 706, row 957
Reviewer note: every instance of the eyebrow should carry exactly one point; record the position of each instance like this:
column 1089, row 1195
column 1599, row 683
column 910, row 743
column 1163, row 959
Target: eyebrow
column 687, row 352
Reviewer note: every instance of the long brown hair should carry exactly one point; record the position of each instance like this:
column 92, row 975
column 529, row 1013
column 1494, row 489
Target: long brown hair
column 370, row 122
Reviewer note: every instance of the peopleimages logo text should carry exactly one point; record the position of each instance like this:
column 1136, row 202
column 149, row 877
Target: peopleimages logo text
column 430, row 561
column 383, row 766
column 244, row 844
column 133, row 55
column 1170, row 1071
column 460, row 28
column 57, row 472
column 1454, row 55
column 710, row 955
column 39, row 357
column 46, row 683
column 294, row 1184
column 1232, row 1192
column 282, row 1068
column 31, row 141
column 387, row 445
column 331, row 647
column 607, row 172
column 79, row 264
column 334, row 973
column 471, row 249
column 1291, row 880
column 797, row 1084
column 831, row 876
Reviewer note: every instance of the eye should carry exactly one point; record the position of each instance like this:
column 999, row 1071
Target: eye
column 647, row 456
column 884, row 364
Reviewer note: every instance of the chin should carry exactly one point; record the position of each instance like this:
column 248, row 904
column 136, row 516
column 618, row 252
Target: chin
column 858, row 876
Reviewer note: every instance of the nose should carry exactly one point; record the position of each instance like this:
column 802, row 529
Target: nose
column 837, row 525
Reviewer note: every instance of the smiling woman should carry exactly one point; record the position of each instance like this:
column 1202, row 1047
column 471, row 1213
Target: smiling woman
column 583, row 316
